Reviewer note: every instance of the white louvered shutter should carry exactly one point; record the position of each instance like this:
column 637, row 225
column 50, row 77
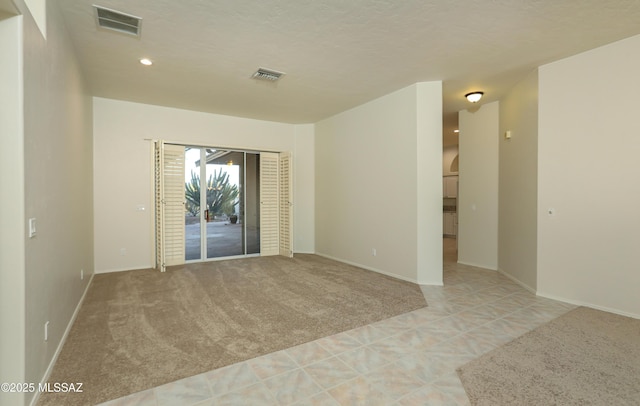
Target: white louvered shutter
column 173, row 201
column 286, row 205
column 269, row 235
column 157, row 152
column 169, row 204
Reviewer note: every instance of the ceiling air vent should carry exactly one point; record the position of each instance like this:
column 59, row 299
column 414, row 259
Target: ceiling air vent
column 267, row 74
column 117, row 21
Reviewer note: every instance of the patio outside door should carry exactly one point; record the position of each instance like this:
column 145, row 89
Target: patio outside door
column 222, row 194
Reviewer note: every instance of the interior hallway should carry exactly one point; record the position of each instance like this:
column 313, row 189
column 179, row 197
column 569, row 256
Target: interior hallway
column 449, row 252
column 409, row 359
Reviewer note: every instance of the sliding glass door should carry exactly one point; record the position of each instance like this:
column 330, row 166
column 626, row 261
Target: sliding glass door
column 192, row 220
column 251, row 208
column 212, row 203
column 221, row 202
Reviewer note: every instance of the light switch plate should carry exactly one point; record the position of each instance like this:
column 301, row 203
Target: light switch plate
column 32, row 227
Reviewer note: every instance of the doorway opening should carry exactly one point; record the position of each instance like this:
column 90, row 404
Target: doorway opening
column 450, row 204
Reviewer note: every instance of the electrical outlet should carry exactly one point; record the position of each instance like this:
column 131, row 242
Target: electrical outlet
column 374, row 252
column 46, row 331
column 123, row 251
column 81, row 274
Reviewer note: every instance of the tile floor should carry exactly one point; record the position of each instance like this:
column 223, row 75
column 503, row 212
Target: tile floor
column 409, row 359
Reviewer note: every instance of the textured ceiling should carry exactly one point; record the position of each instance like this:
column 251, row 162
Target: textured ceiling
column 336, row 54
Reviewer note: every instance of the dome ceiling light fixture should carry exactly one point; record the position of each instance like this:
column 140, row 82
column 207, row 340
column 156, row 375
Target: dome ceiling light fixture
column 474, row 97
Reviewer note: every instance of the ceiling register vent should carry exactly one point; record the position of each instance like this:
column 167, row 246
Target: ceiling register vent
column 118, row 21
column 267, row 74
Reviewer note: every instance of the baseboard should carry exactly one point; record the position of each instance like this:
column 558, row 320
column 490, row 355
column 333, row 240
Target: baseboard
column 122, row 269
column 368, row 268
column 47, row 373
column 565, row 300
column 589, row 305
column 477, row 265
column 522, row 284
column 431, row 283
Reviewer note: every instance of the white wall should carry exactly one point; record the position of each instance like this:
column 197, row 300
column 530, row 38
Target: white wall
column 518, row 183
column 478, row 186
column 379, row 184
column 12, row 232
column 123, row 178
column 588, row 153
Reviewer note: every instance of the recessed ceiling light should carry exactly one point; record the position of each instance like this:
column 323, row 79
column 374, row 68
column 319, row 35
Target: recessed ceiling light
column 146, row 62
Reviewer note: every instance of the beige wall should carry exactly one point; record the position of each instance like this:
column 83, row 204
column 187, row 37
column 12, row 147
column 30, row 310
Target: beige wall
column 588, row 153
column 478, row 186
column 429, row 182
column 379, row 184
column 518, row 183
column 49, row 139
column 123, row 178
column 12, row 203
column 303, row 179
column 58, row 188
column 449, row 154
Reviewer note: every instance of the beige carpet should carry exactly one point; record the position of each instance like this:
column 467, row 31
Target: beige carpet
column 585, row 357
column 141, row 329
